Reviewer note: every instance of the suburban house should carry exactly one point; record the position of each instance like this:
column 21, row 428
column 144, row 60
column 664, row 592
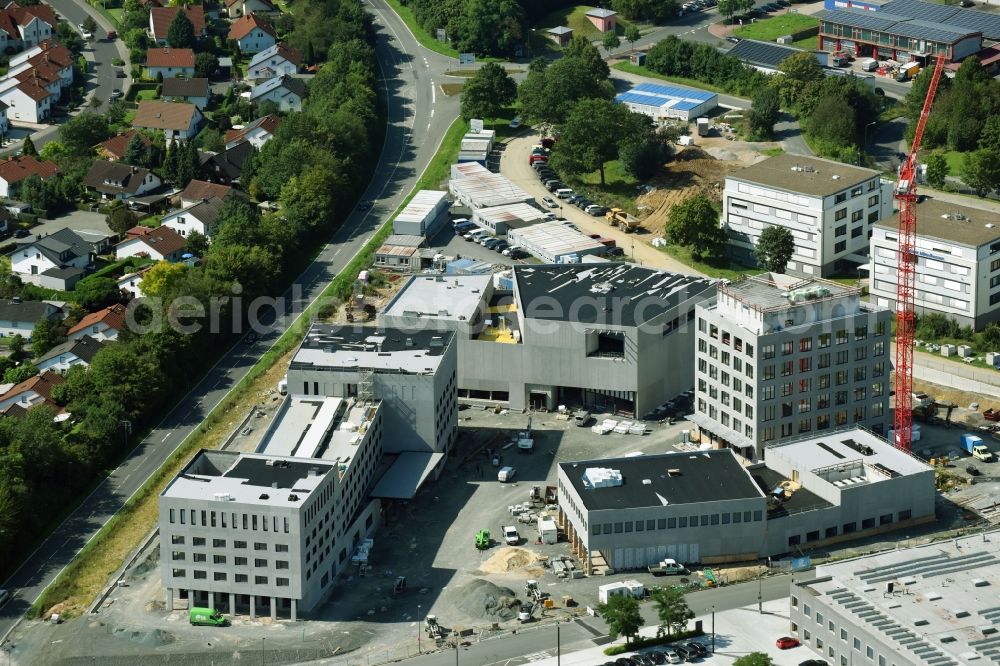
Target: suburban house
column 199, row 216
column 286, row 92
column 24, row 27
column 192, row 91
column 117, row 180
column 161, row 244
column 237, row 8
column 56, row 261
column 226, row 167
column 160, row 19
column 253, row 34
column 278, row 60
column 257, row 132
column 130, row 284
column 49, row 62
column 72, row 352
column 177, row 121
column 16, row 169
column 169, row 62
column 29, row 100
column 105, row 324
column 32, row 392
column 19, row 317
column 197, row 190
column 114, row 148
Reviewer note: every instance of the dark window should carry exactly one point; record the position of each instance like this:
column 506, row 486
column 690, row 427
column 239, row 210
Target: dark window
column 905, row 515
column 794, row 540
column 850, row 528
column 737, row 517
column 682, row 521
column 661, row 524
column 671, row 523
column 725, row 519
column 831, row 532
column 885, row 519
column 618, row 528
column 715, row 519
column 812, row 536
column 758, row 516
column 610, row 345
column 867, row 523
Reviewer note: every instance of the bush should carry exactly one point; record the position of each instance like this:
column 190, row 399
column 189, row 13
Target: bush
column 639, row 643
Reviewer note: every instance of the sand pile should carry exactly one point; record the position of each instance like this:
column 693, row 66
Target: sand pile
column 508, row 559
column 482, row 599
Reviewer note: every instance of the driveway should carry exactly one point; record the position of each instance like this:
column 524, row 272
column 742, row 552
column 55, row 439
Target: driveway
column 76, row 220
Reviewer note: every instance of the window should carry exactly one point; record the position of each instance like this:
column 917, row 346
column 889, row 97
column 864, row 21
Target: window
column 841, row 377
column 787, row 368
column 767, row 351
column 218, row 559
column 240, row 561
column 860, row 353
column 177, row 539
column 805, row 405
column 218, row 543
column 200, row 575
column 856, row 217
column 787, row 348
column 805, row 344
column 178, row 573
column 878, row 349
column 840, row 247
column 905, row 515
column 873, row 200
column 219, row 576
column 198, row 541
column 239, row 544
column 885, row 519
column 843, row 356
column 240, row 578
column 281, row 564
column 805, row 364
column 259, row 546
column 842, row 336
column 850, row 528
column 840, row 231
column 840, row 198
column 841, row 214
column 856, row 191
column 281, row 582
column 260, row 580
column 768, row 372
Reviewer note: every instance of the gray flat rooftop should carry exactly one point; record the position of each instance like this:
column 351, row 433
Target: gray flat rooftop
column 620, row 293
column 952, row 222
column 943, row 609
column 353, row 347
column 448, row 298
column 810, row 176
column 705, row 476
column 801, row 500
column 329, row 429
column 844, row 447
column 770, row 291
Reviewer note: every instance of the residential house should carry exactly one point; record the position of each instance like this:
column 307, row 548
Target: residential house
column 226, row 167
column 177, row 121
column 199, row 216
column 114, row 148
column 160, row 19
column 16, row 169
column 31, row 393
column 253, row 34
column 49, row 55
column 237, row 8
column 117, row 180
column 169, row 62
column 197, row 190
column 161, row 244
column 57, row 260
column 130, row 284
column 192, row 91
column 286, row 92
column 29, row 101
column 279, row 60
column 19, row 317
column 105, row 324
column 257, row 133
column 24, row 27
column 70, row 353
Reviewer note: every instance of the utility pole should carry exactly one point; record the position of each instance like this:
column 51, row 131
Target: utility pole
column 558, row 647
column 713, row 629
column 418, row 628
column 760, row 590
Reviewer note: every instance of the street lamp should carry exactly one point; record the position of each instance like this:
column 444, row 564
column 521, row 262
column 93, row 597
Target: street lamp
column 713, row 629
column 418, row 628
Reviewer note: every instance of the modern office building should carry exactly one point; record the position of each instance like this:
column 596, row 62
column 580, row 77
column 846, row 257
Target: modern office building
column 931, row 604
column 780, row 356
column 829, row 207
column 613, row 337
column 958, row 262
column 706, row 507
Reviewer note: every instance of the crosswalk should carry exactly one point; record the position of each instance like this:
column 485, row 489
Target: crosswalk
column 537, row 656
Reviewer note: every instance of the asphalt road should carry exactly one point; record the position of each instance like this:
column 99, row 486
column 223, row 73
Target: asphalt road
column 418, row 118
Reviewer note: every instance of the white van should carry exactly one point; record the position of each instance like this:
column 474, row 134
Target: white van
column 564, row 193
column 506, row 474
column 868, row 64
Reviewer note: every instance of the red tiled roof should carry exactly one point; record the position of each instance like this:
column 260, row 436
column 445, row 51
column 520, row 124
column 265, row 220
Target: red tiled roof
column 162, row 17
column 247, row 23
column 201, row 189
column 230, row 3
column 138, row 232
column 291, row 55
column 116, row 145
column 17, row 169
column 163, row 240
column 24, row 15
column 168, row 57
column 52, row 53
column 41, row 384
column 113, row 316
column 43, row 74
column 268, row 123
column 34, row 88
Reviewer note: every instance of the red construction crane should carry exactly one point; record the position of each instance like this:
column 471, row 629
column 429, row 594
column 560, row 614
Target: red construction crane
column 906, row 263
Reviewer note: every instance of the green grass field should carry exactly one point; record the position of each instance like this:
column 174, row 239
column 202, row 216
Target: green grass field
column 425, row 40
column 807, row 43
column 770, row 29
column 955, row 159
column 618, row 190
column 145, row 95
column 716, row 268
column 642, row 71
column 575, row 17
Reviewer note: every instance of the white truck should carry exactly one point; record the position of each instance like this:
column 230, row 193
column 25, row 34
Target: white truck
column 506, row 474
column 510, row 535
column 703, row 126
column 668, row 568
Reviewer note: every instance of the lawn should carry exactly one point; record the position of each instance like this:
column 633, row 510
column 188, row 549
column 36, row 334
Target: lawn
column 450, row 89
column 427, row 41
column 145, row 95
column 807, row 43
column 770, row 29
column 618, row 190
column 642, row 71
column 955, row 159
column 575, row 17
column 716, row 268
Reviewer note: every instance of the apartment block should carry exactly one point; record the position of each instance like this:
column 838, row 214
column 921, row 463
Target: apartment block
column 958, row 262
column 830, row 209
column 779, row 356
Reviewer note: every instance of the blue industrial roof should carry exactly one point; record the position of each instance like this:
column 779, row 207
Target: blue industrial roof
column 650, row 100
column 670, row 91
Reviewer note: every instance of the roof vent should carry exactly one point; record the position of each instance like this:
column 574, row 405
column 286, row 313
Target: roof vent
column 835, row 177
column 293, row 498
column 673, row 472
column 646, row 482
column 264, row 496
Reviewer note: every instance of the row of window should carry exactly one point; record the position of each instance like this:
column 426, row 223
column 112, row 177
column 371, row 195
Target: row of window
column 222, row 576
column 823, row 421
column 202, row 542
column 681, row 522
column 259, row 562
column 250, row 521
column 847, row 528
column 727, row 338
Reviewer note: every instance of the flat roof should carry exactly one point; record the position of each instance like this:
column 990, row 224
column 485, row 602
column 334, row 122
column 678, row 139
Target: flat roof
column 511, row 213
column 801, row 500
column 886, row 20
column 952, row 222
column 248, row 477
column 810, row 176
column 487, row 189
column 848, row 447
column 553, row 239
column 651, row 94
column 619, row 293
column 943, row 608
column 674, row 478
column 601, row 13
column 777, row 291
column 951, row 15
column 408, row 472
column 351, row 347
column 765, row 54
column 440, row 297
column 423, row 204
column 327, row 429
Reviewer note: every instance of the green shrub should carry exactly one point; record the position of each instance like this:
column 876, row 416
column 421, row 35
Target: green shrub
column 614, row 650
column 640, row 643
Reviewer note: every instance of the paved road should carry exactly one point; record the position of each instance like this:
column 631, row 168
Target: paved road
column 418, row 118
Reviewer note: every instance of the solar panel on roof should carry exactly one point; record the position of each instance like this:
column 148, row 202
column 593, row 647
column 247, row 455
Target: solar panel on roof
column 762, row 53
column 670, row 91
column 922, row 10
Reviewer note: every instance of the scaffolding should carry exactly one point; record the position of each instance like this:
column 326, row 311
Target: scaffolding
column 366, row 386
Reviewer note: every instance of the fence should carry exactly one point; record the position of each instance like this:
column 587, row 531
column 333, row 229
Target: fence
column 958, row 376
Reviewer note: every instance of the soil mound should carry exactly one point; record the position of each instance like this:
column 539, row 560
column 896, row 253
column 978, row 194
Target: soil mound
column 483, row 600
column 508, row 559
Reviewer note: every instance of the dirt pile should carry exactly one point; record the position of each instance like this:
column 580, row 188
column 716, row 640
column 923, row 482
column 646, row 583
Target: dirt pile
column 508, row 559
column 483, row 600
column 144, row 636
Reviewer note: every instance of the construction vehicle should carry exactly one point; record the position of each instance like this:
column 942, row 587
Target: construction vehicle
column 525, row 442
column 207, row 617
column 483, row 540
column 616, row 217
column 535, row 496
column 399, row 586
column 532, row 592
column 668, row 568
column 974, row 446
column 510, row 535
column 431, row 626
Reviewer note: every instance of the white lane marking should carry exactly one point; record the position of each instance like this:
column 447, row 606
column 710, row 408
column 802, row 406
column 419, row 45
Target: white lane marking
column 165, row 437
column 432, row 113
column 433, row 93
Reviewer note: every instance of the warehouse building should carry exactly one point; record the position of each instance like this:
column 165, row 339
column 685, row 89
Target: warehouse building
column 423, row 216
column 475, row 186
column 554, row 242
column 830, row 209
column 499, row 220
column 593, row 335
column 958, row 262
column 931, row 604
column 780, row 357
column 917, row 10
column 663, row 103
column 706, row 507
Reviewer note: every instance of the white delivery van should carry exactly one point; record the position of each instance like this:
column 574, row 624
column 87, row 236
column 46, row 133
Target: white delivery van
column 506, row 474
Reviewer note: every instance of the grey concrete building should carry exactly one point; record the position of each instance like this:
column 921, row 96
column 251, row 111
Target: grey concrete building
column 781, row 356
column 614, row 337
column 707, row 507
column 932, row 604
column 958, row 262
column 829, row 208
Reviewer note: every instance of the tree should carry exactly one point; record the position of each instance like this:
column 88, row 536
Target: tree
column 672, row 609
column 204, row 64
column 774, row 249
column 728, row 8
column 89, row 24
column 547, row 94
column 20, row 373
column 180, row 34
column 589, row 138
column 990, row 337
column 754, row 659
column 309, row 200
column 937, row 169
column 581, row 50
column 210, row 139
column 990, row 136
column 764, row 112
column 16, row 345
column 610, row 42
column 632, row 35
column 162, row 278
column 622, row 615
column 487, row 93
column 643, row 155
column 44, row 336
column 94, row 293
column 137, row 152
column 694, row 223
column 119, row 217
column 981, row 171
column 196, row 244
column 29, row 147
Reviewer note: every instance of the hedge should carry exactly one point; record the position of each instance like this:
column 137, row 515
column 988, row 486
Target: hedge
column 640, row 643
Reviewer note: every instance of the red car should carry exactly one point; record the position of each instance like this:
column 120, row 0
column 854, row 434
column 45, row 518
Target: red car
column 786, row 642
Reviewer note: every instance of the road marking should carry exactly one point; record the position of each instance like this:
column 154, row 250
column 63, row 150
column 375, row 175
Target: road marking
column 165, row 437
column 433, row 93
column 432, row 113
column 537, row 656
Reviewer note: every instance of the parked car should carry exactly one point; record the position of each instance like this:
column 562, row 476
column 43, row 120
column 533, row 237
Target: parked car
column 515, row 123
column 501, row 246
column 116, row 94
column 615, row 252
column 21, row 233
column 582, row 203
column 786, row 643
column 596, row 210
column 672, row 656
column 489, row 242
column 547, row 175
column 554, row 185
column 697, row 647
column 119, row 73
column 657, row 657
column 550, row 202
column 112, row 35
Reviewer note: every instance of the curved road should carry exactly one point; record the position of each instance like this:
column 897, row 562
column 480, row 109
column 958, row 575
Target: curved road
column 418, row 117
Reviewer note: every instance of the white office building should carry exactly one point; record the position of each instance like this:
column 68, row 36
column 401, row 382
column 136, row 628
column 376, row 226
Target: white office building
column 958, row 262
column 829, row 207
